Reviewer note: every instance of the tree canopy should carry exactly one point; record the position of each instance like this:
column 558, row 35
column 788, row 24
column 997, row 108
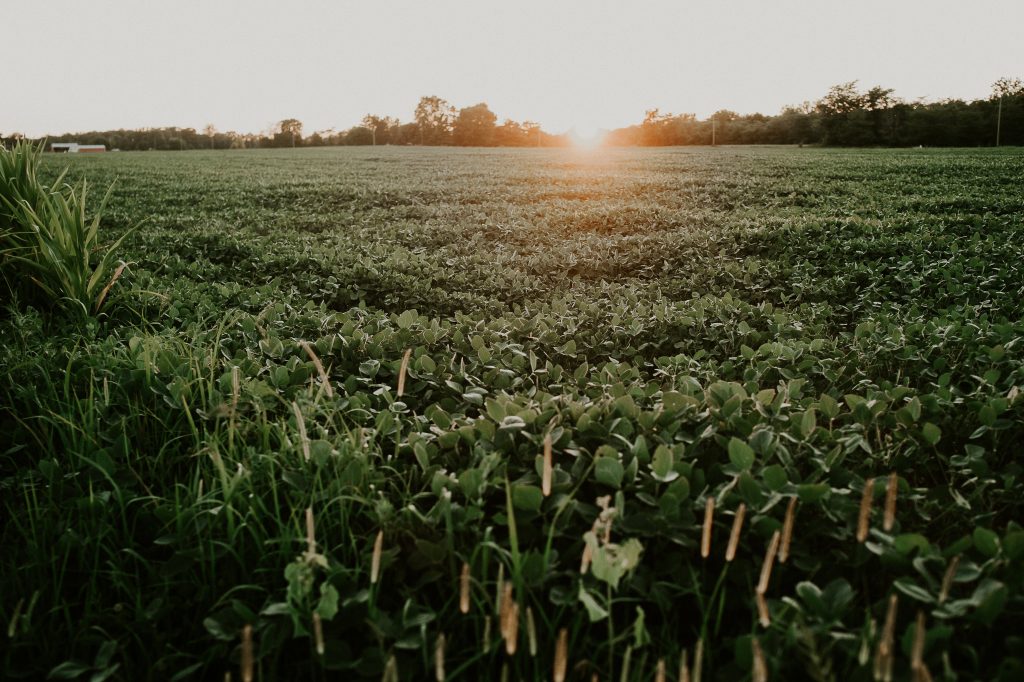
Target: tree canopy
column 845, row 115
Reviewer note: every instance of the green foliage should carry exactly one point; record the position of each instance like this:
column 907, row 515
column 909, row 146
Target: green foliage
column 19, row 186
column 47, row 241
column 755, row 328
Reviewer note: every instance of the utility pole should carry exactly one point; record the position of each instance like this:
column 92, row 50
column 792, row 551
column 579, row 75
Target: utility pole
column 999, row 119
column 713, row 126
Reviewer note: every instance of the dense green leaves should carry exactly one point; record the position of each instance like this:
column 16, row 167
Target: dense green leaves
column 768, row 328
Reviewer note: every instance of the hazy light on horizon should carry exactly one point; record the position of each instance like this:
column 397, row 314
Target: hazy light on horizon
column 584, row 64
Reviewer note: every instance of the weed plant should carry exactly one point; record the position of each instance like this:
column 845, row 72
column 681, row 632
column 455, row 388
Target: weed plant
column 49, row 246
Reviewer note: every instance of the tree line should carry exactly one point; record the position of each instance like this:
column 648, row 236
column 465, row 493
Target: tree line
column 849, row 117
column 845, row 116
column 435, row 122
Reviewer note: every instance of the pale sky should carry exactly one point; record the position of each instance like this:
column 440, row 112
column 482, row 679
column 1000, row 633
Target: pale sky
column 76, row 65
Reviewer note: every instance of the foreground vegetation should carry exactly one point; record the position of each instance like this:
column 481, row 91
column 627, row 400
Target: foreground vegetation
column 781, row 390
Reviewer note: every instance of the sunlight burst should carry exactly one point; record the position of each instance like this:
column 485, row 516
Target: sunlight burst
column 587, row 137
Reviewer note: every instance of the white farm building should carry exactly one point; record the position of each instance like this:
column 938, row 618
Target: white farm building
column 75, row 148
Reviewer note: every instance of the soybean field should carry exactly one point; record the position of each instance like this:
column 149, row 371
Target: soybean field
column 383, row 413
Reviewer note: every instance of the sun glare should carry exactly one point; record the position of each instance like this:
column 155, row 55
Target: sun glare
column 586, row 137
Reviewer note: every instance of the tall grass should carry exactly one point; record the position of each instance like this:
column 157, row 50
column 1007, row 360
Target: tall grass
column 50, row 247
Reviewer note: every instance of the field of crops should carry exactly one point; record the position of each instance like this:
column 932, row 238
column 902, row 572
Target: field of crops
column 392, row 414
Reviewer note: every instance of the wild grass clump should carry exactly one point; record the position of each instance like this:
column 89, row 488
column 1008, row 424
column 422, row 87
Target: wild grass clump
column 49, row 245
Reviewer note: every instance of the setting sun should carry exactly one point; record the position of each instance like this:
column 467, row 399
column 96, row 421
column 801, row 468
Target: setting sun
column 586, row 137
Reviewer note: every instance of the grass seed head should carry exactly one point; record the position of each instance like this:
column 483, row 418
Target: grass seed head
column 464, row 589
column 561, row 655
column 769, row 561
column 236, row 386
column 378, row 547
column 324, row 379
column 318, row 633
column 884, row 653
column 734, row 536
column 247, row 656
column 504, row 605
column 531, row 632
column 402, row 370
column 110, row 284
column 787, row 530
column 947, row 578
column 705, row 538
column 310, row 531
column 300, row 422
column 891, row 490
column 439, row 658
column 546, row 478
column 499, row 588
column 864, row 517
column 510, row 625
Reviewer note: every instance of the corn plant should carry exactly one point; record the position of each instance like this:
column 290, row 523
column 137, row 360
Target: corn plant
column 48, row 242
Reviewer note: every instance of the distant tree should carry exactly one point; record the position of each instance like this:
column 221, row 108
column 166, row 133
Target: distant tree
column 1007, row 87
column 405, row 133
column 654, row 131
column 474, row 126
column 795, row 125
column 840, row 99
column 380, row 127
column 721, row 128
column 514, row 134
column 879, row 104
column 358, row 136
column 534, row 134
column 11, row 139
column 725, row 116
column 838, row 116
column 1008, row 94
column 509, row 134
column 434, row 117
column 288, row 133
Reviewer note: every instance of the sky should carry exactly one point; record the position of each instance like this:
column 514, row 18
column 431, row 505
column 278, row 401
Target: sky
column 73, row 65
